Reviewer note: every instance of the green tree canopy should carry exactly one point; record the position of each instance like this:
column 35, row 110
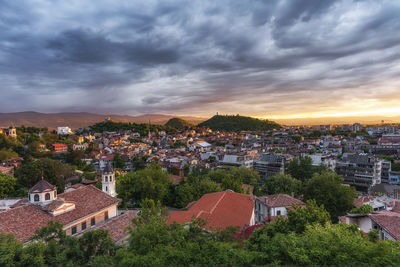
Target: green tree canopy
column 282, row 184
column 53, row 171
column 326, row 188
column 302, row 168
column 7, row 154
column 118, row 162
column 152, row 183
column 7, row 185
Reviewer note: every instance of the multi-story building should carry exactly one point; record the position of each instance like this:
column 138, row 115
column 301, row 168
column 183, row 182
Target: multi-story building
column 363, row 170
column 269, row 165
column 237, row 161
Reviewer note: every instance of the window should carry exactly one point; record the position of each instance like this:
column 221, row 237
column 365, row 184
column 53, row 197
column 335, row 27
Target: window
column 106, row 189
column 93, row 221
column 73, row 230
column 36, row 198
column 278, row 213
column 47, row 196
column 29, row 197
column 83, row 226
column 106, row 179
column 106, row 215
column 110, row 178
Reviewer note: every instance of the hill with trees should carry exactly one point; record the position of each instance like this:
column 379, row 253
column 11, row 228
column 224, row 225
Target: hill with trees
column 236, row 123
column 178, row 123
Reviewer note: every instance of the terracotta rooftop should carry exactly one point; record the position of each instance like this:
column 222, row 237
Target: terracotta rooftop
column 280, row 200
column 361, row 200
column 219, row 210
column 117, row 226
column 388, row 220
column 42, row 186
column 24, row 220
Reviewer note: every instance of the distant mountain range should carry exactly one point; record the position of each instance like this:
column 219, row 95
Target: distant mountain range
column 80, row 119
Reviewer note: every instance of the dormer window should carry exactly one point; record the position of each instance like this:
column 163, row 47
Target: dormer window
column 47, row 196
column 36, row 198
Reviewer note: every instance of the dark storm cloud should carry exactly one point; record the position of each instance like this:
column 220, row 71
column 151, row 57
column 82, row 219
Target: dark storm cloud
column 196, row 56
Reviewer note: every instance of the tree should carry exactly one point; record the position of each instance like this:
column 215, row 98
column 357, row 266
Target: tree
column 302, row 168
column 327, row 190
column 53, row 172
column 150, row 183
column 7, row 185
column 118, row 162
column 363, row 209
column 282, row 184
column 233, row 177
column 139, row 163
column 191, row 190
column 6, row 154
column 325, row 245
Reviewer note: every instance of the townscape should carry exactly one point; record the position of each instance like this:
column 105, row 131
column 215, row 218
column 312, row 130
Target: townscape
column 199, row 133
column 239, row 184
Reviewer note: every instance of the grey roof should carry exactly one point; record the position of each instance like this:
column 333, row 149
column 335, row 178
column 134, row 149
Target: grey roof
column 108, row 168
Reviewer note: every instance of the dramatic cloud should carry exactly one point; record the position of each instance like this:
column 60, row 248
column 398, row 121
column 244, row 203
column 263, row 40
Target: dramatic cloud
column 264, row 58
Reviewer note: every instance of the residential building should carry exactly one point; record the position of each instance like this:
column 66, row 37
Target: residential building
column 362, row 170
column 237, row 161
column 64, row 130
column 60, row 148
column 268, row 207
column 269, row 165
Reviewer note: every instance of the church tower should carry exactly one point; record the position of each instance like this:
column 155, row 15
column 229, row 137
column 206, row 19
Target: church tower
column 108, row 180
column 12, row 132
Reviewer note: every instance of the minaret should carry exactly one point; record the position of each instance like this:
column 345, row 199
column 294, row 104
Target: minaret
column 12, row 132
column 108, row 180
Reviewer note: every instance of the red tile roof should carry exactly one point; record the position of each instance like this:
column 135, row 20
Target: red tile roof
column 361, row 200
column 388, row 220
column 220, row 210
column 281, row 200
column 42, row 186
column 117, row 226
column 24, row 220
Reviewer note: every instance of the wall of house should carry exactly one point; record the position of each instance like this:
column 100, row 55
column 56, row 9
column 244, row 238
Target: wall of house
column 274, row 211
column 253, row 218
column 99, row 216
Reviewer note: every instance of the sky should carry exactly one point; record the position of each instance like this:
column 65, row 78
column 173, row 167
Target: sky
column 270, row 59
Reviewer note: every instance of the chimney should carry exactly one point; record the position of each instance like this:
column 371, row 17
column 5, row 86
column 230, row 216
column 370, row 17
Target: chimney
column 251, row 196
column 292, row 194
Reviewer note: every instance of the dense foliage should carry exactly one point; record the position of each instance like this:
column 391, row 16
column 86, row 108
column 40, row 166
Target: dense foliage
column 305, row 238
column 51, row 170
column 7, row 185
column 326, row 188
column 282, row 184
column 231, row 123
column 178, row 123
column 142, row 128
column 302, row 168
column 152, row 183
